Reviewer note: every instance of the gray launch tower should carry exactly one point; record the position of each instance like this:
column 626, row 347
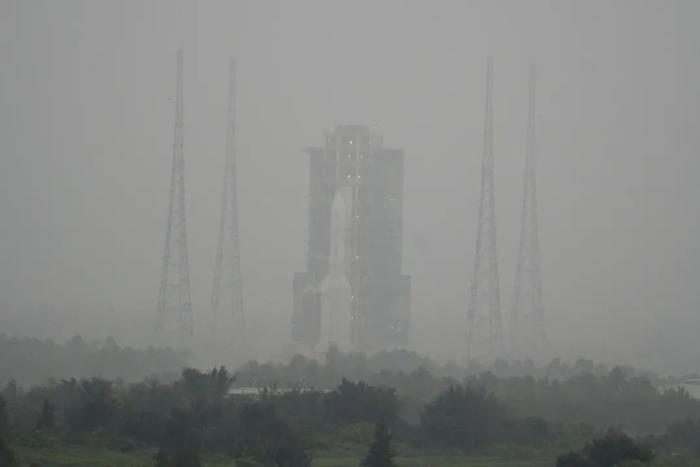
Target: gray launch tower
column 354, row 157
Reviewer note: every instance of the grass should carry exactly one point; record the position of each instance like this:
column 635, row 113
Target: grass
column 82, row 456
column 85, row 456
column 433, row 461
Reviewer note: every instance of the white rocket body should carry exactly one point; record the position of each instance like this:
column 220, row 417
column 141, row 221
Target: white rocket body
column 336, row 292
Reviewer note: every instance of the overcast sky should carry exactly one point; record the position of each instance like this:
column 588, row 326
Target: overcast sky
column 86, row 117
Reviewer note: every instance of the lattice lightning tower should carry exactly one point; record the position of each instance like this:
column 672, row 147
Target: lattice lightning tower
column 227, row 294
column 174, row 317
column 528, row 334
column 484, row 329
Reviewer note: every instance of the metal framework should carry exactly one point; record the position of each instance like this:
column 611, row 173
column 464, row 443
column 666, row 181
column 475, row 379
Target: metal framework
column 484, row 329
column 528, row 334
column 227, row 293
column 174, row 316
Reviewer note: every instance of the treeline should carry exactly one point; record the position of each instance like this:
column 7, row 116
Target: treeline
column 679, row 446
column 193, row 415
column 200, row 414
column 615, row 399
column 309, row 372
column 30, row 361
column 583, row 393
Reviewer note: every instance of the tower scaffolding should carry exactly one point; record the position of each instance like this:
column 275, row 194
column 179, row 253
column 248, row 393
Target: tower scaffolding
column 528, row 333
column 484, row 329
column 227, row 315
column 174, row 315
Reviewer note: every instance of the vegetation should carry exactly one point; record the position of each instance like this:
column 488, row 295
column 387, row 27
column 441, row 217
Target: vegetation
column 612, row 449
column 33, row 361
column 357, row 402
column 180, row 444
column 464, row 417
column 381, row 453
column 683, row 437
column 4, row 421
column 7, row 456
column 414, row 413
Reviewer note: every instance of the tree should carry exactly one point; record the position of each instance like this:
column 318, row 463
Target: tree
column 180, row 446
column 683, row 436
column 7, row 457
column 615, row 447
column 358, row 402
column 380, row 453
column 211, row 386
column 266, row 438
column 47, row 417
column 94, row 404
column 4, row 418
column 463, row 417
column 611, row 450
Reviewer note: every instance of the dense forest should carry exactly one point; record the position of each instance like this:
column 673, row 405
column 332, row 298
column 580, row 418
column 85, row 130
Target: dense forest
column 391, row 405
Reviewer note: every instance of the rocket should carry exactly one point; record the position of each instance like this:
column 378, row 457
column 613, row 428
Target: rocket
column 336, row 291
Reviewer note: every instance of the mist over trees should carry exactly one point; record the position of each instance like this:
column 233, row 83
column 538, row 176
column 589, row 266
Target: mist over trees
column 349, row 234
column 30, row 361
column 281, row 415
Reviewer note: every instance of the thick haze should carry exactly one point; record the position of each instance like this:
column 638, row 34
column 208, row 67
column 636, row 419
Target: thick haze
column 86, row 128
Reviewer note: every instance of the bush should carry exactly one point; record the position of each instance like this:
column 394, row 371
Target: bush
column 616, row 447
column 380, row 453
column 463, row 417
column 360, row 402
column 93, row 404
column 180, row 447
column 47, row 417
column 613, row 449
column 266, row 438
column 683, row 436
column 572, row 459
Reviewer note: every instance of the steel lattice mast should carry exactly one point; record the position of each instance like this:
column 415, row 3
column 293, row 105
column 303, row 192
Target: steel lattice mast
column 528, row 334
column 174, row 318
column 484, row 329
column 227, row 293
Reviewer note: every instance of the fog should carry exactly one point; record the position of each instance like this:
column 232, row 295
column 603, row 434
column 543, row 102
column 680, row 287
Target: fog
column 86, row 130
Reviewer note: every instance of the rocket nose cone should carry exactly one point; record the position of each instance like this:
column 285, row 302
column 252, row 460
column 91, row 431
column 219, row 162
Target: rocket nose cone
column 341, row 200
